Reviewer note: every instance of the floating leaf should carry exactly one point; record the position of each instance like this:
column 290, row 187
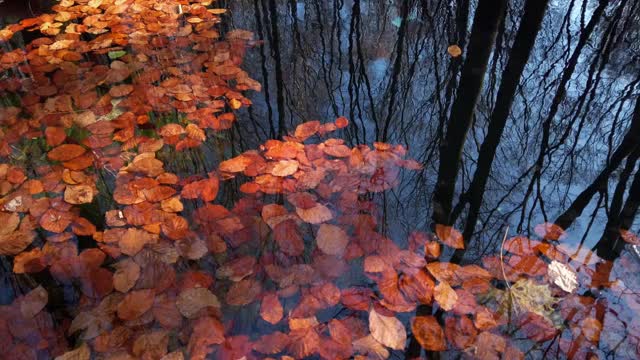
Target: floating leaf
column 315, row 215
column 126, row 275
column 79, row 194
column 450, row 236
column 271, row 309
column 66, row 152
column 428, row 333
column 81, row 353
column 445, row 296
column 135, row 304
column 191, row 301
column 34, row 302
column 332, row 239
column 563, row 276
column 387, row 330
column 369, row 346
column 243, row 292
column 454, row 51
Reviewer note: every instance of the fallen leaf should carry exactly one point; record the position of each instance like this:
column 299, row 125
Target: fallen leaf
column 79, row 194
column 563, row 276
column 315, row 215
column 428, row 333
column 271, row 309
column 454, row 51
column 285, row 168
column 450, row 236
column 66, row 152
column 331, row 239
column 243, row 292
column 191, row 301
column 81, row 353
column 445, row 296
column 135, row 304
column 387, row 330
column 34, row 302
column 369, row 346
column 126, row 275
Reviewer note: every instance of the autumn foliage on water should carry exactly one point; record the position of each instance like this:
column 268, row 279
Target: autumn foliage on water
column 118, row 257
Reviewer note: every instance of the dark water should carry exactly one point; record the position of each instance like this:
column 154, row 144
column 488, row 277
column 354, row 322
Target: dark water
column 516, row 123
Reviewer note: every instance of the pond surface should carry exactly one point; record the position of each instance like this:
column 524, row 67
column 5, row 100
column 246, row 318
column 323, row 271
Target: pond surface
column 320, row 179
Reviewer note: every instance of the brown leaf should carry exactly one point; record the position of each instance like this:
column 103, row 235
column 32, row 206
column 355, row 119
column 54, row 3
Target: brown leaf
column 304, row 342
column 272, row 343
column 536, row 327
column 357, row 298
column 191, row 301
column 55, row 221
column 387, row 330
column 135, row 304
column 315, row 215
column 243, row 292
column 428, row 333
column 369, row 346
column 450, row 236
column 134, row 240
column 340, row 332
column 126, row 275
column 15, row 242
column 34, row 302
column 331, row 239
column 81, row 353
column 79, row 194
column 288, row 238
column 444, row 271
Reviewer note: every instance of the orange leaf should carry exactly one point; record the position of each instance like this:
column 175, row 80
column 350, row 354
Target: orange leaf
column 342, row 122
column 284, row 168
column 549, row 231
column 307, row 130
column 454, row 51
column 55, row 135
column 445, row 296
column 450, row 236
column 55, row 221
column 66, row 152
column 206, row 189
column 428, row 333
column 271, row 309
